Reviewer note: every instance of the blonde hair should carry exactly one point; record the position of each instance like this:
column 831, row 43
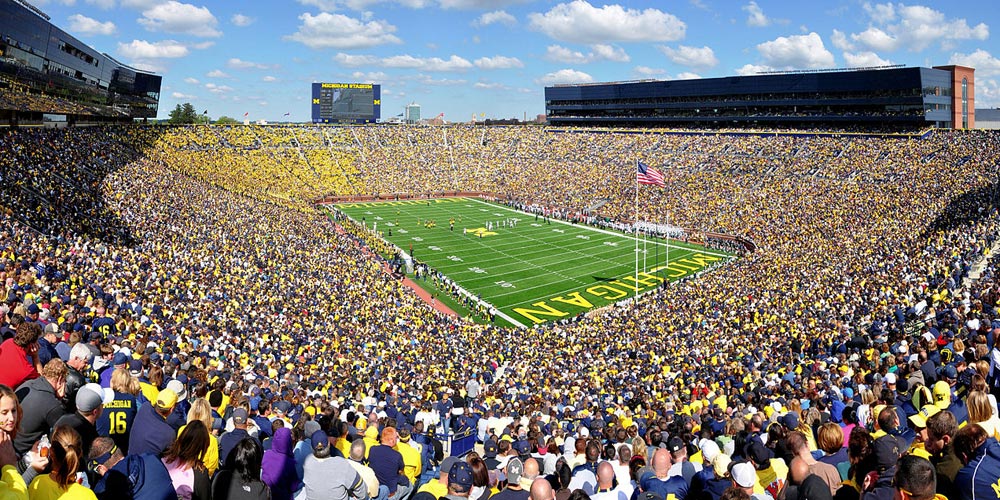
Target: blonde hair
column 979, row 407
column 66, row 455
column 200, row 410
column 121, row 381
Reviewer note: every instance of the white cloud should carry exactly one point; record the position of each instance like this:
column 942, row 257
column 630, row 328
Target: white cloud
column 565, row 76
column 217, row 73
column 864, row 59
column 756, row 17
column 875, row 38
column 443, row 82
column 164, row 49
column 881, row 13
column 175, row 17
column 609, row 53
column 189, row 97
column 454, row 63
column 752, row 69
column 687, row 75
column 914, row 27
column 839, row 40
column 646, row 71
column 192, row 81
column 796, row 52
column 984, row 62
column 558, row 53
column 241, row 20
column 599, row 52
column 84, row 25
column 353, row 60
column 581, row 22
column 241, row 64
column 218, row 89
column 269, row 78
column 495, row 17
column 987, row 93
column 490, row 86
column 498, row 62
column 370, row 77
column 692, row 57
column 327, row 30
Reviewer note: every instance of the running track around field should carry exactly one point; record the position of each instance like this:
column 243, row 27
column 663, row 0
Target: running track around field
column 436, row 304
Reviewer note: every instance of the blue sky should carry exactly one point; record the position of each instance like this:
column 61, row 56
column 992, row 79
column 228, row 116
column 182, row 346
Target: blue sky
column 465, row 57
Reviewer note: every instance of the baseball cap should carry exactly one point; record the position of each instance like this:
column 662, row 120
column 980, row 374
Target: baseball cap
column 135, row 367
column 447, row 464
column 942, row 394
column 319, row 440
column 709, row 450
column 460, row 475
column 759, row 453
column 675, row 444
column 167, row 399
column 178, row 387
column 92, row 396
column 490, row 448
column 721, row 464
column 522, row 447
column 744, row 474
column 33, row 309
column 311, row 427
column 886, row 452
column 790, row 420
column 890, row 378
column 514, row 470
column 240, row 416
column 920, row 418
column 119, row 359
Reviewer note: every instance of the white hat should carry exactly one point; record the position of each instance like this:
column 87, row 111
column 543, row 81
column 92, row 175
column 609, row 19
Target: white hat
column 178, row 387
column 709, row 450
column 744, row 474
column 890, row 378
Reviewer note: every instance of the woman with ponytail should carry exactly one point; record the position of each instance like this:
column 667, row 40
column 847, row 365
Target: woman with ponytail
column 67, row 461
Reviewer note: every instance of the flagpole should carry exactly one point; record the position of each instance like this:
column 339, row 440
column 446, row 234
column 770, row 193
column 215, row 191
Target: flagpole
column 635, row 229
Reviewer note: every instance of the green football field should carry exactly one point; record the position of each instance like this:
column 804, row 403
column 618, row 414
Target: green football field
column 529, row 269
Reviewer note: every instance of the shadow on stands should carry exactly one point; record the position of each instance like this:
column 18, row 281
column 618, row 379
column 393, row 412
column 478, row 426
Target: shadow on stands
column 53, row 179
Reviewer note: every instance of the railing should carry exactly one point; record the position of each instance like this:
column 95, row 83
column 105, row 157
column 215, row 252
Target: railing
column 462, row 443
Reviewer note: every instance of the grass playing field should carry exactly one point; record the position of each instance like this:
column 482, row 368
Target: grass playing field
column 530, row 270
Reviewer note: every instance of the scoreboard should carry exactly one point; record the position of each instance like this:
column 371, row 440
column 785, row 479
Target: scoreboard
column 346, row 102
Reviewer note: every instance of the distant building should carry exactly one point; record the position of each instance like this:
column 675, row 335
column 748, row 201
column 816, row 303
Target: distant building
column 412, row 113
column 46, row 71
column 988, row 119
column 887, row 98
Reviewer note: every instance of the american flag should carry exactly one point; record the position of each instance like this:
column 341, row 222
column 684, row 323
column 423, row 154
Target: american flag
column 650, row 175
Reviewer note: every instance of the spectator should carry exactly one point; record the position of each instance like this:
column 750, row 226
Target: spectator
column 915, row 479
column 90, row 400
column 19, row 355
column 139, row 477
column 67, row 463
column 41, row 405
column 118, row 415
column 389, row 466
column 980, row 456
column 330, row 477
column 244, row 480
column 279, row 467
column 183, row 462
column 156, row 436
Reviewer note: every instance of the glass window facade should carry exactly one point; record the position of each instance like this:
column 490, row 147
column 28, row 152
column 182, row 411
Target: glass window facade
column 44, row 69
column 888, row 98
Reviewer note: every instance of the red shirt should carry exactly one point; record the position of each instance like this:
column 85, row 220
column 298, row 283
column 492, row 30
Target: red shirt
column 15, row 368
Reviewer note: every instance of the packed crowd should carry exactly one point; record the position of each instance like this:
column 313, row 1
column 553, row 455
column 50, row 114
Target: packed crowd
column 242, row 345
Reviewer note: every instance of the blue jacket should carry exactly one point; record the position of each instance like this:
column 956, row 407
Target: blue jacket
column 154, row 435
column 675, row 485
column 981, row 475
column 136, row 477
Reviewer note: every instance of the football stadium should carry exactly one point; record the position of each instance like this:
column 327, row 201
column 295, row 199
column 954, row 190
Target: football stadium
column 777, row 286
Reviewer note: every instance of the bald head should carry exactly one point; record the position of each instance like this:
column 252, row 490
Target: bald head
column 358, row 450
column 530, row 469
column 605, row 475
column 541, row 490
column 798, row 471
column 662, row 463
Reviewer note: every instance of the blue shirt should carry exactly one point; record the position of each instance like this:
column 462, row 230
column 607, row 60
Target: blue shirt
column 387, row 464
column 156, row 435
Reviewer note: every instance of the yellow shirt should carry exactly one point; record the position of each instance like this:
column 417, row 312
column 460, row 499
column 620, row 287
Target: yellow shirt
column 12, row 485
column 435, row 488
column 412, row 462
column 44, row 488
